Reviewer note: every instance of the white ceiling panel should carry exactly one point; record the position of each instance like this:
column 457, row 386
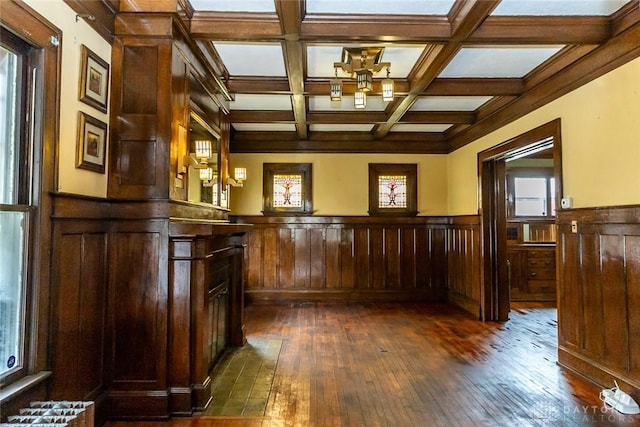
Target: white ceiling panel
column 449, row 103
column 264, row 127
column 324, row 103
column 234, row 5
column 263, row 59
column 558, row 7
column 341, row 127
column 320, row 59
column 261, row 102
column 416, row 127
column 501, row 61
column 384, row 7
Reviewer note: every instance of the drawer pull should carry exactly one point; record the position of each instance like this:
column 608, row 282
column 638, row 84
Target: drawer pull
column 533, row 274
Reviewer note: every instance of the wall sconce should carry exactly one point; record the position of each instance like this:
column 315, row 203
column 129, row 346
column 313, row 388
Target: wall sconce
column 207, row 177
column 202, row 155
column 191, row 162
column 240, row 174
column 203, row 150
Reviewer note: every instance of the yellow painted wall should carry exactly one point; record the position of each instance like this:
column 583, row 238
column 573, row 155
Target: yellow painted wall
column 600, row 125
column 340, row 181
column 75, row 34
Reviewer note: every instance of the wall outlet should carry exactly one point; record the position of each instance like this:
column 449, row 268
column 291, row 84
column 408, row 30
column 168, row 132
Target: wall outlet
column 574, row 226
column 566, row 202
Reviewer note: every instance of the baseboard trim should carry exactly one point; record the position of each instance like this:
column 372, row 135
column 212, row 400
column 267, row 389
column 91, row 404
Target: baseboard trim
column 596, row 372
column 464, row 302
column 139, row 405
column 344, row 295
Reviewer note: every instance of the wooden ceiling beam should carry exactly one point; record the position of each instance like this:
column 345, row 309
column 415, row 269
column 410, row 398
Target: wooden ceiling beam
column 253, row 116
column 440, row 117
column 543, row 30
column 235, row 26
column 320, row 87
column 358, row 117
column 259, row 85
column 290, row 14
column 474, row 87
column 344, row 143
column 343, row 28
column 466, row 17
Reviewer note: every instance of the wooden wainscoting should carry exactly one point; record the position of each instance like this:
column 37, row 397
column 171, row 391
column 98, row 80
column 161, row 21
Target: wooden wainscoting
column 464, row 262
column 361, row 258
column 598, row 294
column 79, row 284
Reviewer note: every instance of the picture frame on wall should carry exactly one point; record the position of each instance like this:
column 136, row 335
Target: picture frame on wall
column 94, row 80
column 92, row 143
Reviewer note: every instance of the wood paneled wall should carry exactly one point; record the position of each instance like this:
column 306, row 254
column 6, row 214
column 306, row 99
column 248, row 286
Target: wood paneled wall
column 127, row 307
column 79, row 287
column 362, row 258
column 464, row 262
column 598, row 270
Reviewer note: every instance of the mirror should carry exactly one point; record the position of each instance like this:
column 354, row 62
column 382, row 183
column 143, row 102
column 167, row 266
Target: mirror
column 204, row 171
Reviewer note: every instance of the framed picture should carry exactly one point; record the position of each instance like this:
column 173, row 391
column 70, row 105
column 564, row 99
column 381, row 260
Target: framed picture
column 92, row 143
column 94, row 80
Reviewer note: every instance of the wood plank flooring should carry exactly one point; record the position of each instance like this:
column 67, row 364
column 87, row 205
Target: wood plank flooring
column 387, row 364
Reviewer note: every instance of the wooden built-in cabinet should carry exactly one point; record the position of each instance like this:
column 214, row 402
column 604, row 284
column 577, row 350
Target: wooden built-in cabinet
column 143, row 307
column 532, row 272
column 206, row 284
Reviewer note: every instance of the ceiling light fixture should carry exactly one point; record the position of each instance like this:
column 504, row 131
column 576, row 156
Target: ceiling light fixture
column 387, row 88
column 363, row 62
column 336, row 88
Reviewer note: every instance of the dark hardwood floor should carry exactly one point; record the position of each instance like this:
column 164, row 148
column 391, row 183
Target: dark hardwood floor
column 385, row 364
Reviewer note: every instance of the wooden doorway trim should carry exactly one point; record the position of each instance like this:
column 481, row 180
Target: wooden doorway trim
column 492, row 190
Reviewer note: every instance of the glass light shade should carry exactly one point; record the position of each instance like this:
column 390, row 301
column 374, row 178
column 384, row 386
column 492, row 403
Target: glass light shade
column 387, row 90
column 203, row 148
column 206, row 174
column 336, row 89
column 364, row 80
column 360, row 99
column 240, row 174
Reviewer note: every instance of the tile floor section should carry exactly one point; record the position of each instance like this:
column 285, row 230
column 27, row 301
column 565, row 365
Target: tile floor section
column 243, row 378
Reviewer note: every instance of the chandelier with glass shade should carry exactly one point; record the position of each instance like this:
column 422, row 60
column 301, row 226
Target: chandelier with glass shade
column 362, row 63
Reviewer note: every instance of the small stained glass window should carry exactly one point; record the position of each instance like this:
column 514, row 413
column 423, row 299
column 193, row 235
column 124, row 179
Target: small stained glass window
column 287, row 191
column 393, row 189
column 287, row 188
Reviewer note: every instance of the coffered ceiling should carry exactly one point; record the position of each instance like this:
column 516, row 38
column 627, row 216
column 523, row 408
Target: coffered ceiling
column 461, row 68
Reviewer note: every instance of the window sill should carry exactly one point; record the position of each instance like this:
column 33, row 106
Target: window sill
column 22, row 385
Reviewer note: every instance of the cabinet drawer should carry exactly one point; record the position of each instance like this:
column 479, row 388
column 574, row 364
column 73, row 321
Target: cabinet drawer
column 541, row 253
column 541, row 274
column 541, row 262
column 541, row 286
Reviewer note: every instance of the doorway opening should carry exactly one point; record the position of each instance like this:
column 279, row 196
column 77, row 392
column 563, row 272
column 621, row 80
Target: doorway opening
column 516, row 230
